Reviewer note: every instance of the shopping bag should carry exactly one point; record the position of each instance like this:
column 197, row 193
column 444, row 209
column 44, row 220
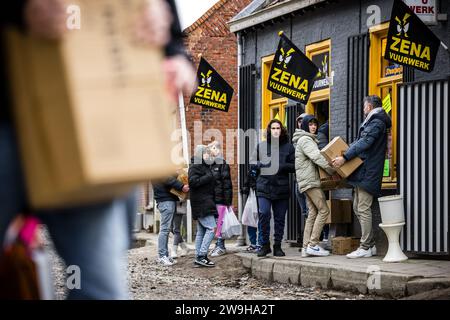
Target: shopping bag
column 25, row 270
column 250, row 214
column 231, row 226
column 221, row 210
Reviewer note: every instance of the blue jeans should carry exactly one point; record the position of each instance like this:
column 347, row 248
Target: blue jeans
column 279, row 208
column 255, row 234
column 95, row 238
column 167, row 210
column 205, row 235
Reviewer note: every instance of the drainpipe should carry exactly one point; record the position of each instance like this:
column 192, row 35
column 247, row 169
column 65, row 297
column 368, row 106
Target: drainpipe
column 241, row 239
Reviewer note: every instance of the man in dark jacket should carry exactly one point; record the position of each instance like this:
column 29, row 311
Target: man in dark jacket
column 167, row 203
column 366, row 180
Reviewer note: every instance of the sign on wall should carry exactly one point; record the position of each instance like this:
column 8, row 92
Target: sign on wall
column 322, row 61
column 426, row 10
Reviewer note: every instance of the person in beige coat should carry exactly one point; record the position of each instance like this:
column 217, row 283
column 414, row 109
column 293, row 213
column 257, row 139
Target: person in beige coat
column 307, row 158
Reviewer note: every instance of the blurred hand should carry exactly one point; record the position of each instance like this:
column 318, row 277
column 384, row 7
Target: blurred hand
column 338, row 162
column 185, row 188
column 180, row 76
column 153, row 27
column 46, row 18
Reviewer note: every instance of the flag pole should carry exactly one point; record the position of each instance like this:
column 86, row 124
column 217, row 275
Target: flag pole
column 445, row 47
column 186, row 159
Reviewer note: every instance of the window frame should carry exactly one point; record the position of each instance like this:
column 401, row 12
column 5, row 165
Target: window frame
column 376, row 84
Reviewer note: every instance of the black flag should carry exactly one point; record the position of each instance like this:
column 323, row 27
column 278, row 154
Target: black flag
column 410, row 42
column 213, row 91
column 292, row 73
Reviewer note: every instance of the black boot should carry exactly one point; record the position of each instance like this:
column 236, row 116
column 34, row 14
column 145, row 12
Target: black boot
column 277, row 252
column 265, row 249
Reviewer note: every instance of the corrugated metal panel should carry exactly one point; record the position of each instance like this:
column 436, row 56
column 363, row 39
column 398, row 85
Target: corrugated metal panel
column 424, row 165
column 357, row 82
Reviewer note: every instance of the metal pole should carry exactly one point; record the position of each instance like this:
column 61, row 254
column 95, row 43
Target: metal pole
column 241, row 239
column 186, row 159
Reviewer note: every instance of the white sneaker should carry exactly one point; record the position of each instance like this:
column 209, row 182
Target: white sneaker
column 173, row 253
column 218, row 252
column 374, row 250
column 165, row 261
column 360, row 253
column 304, row 254
column 317, row 251
column 184, row 249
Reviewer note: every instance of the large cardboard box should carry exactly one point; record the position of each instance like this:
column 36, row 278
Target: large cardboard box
column 340, row 211
column 341, row 245
column 336, row 148
column 91, row 110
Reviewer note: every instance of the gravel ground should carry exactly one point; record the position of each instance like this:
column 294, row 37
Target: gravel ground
column 228, row 280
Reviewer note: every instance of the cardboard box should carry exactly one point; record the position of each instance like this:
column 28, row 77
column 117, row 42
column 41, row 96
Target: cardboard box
column 328, row 182
column 337, row 148
column 184, row 179
column 340, row 211
column 341, row 245
column 91, row 110
column 355, row 243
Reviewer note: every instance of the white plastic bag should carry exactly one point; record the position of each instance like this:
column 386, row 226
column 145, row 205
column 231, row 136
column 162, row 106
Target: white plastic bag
column 250, row 214
column 231, row 226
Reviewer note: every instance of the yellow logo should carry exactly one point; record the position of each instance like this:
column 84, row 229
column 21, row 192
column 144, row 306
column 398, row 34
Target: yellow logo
column 206, row 79
column 403, row 25
column 285, row 57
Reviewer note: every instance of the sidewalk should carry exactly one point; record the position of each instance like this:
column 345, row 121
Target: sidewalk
column 365, row 275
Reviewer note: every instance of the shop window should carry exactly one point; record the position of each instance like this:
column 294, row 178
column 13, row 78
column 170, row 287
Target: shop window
column 384, row 76
column 319, row 100
column 272, row 104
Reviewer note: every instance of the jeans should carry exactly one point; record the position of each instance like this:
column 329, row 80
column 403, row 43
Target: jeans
column 93, row 237
column 255, row 235
column 167, row 211
column 205, row 235
column 176, row 229
column 279, row 215
column 301, row 199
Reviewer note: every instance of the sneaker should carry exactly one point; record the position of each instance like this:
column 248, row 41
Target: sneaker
column 165, row 261
column 218, row 251
column 204, row 261
column 304, row 254
column 360, row 253
column 172, row 260
column 374, row 250
column 184, row 249
column 317, row 251
column 252, row 248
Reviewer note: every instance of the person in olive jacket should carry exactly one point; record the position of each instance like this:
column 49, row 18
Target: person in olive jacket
column 272, row 162
column 201, row 187
column 223, row 192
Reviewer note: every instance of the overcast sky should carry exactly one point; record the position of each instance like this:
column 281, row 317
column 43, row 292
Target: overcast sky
column 191, row 10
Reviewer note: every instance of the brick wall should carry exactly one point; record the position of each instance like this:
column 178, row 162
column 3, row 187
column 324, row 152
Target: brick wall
column 211, row 38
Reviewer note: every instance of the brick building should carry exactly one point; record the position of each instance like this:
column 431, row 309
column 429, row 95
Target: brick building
column 211, row 38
